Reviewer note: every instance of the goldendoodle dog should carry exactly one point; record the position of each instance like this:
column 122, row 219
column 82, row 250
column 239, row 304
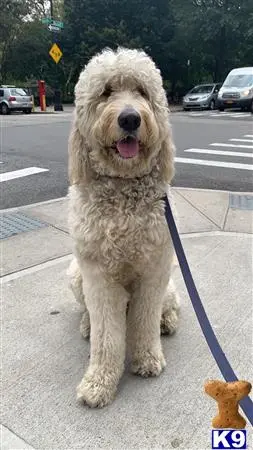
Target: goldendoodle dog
column 120, row 166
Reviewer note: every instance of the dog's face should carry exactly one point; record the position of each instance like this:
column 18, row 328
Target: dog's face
column 122, row 113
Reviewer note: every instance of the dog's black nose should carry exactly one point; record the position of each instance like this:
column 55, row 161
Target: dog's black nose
column 129, row 119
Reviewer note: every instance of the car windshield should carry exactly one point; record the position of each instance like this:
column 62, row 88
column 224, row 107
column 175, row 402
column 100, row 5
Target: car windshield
column 18, row 92
column 204, row 89
column 243, row 80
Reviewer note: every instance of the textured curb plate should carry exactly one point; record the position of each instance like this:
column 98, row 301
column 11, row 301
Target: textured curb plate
column 15, row 223
column 237, row 201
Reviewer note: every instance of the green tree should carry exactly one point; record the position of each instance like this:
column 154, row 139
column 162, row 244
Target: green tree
column 192, row 41
column 218, row 30
column 11, row 17
column 92, row 25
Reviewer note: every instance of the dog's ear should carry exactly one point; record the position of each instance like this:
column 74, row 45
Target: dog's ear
column 78, row 160
column 166, row 159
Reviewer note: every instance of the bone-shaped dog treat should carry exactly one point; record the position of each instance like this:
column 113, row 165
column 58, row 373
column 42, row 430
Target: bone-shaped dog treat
column 227, row 396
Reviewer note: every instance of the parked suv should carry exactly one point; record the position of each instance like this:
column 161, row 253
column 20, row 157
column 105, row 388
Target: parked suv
column 14, row 99
column 203, row 96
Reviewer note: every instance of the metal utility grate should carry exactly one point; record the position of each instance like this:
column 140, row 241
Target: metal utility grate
column 15, row 223
column 237, row 201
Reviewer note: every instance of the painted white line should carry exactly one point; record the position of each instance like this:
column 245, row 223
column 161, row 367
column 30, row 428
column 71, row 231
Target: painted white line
column 248, row 135
column 217, row 115
column 220, row 114
column 220, row 144
column 34, row 269
column 205, row 162
column 1, row 162
column 242, row 140
column 239, row 115
column 235, row 115
column 219, row 152
column 196, row 114
column 21, row 173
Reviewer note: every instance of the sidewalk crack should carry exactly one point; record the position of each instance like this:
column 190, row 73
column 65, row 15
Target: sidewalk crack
column 203, row 214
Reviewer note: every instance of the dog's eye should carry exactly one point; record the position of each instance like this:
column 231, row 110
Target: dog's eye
column 142, row 92
column 107, row 92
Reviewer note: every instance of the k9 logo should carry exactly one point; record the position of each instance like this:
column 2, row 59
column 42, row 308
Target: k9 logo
column 226, row 439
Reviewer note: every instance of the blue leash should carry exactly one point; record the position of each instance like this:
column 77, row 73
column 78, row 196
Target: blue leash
column 212, row 341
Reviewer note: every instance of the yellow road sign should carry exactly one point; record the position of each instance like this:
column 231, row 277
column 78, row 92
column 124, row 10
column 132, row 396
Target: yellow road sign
column 55, row 53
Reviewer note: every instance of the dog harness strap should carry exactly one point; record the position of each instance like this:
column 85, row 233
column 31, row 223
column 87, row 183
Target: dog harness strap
column 212, row 341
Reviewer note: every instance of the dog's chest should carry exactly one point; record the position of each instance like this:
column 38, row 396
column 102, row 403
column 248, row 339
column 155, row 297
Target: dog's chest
column 119, row 231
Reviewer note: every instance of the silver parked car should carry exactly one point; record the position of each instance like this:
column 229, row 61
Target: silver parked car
column 203, row 96
column 14, row 99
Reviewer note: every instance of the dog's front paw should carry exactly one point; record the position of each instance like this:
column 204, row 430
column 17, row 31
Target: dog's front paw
column 95, row 390
column 148, row 364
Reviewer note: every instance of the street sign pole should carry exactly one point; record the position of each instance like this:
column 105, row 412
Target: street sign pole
column 51, row 9
column 57, row 92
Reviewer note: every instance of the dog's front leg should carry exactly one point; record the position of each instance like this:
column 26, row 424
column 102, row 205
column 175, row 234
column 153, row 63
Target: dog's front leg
column 106, row 303
column 144, row 326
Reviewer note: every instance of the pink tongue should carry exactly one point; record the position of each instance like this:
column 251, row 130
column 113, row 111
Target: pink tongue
column 128, row 149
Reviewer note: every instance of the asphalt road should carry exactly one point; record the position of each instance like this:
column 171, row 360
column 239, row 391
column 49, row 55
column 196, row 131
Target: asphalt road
column 34, row 154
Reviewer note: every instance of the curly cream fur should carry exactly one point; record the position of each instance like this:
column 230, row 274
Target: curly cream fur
column 123, row 250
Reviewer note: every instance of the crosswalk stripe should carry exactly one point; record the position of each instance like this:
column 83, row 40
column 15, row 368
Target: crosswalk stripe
column 237, row 116
column 205, row 162
column 220, row 114
column 248, row 135
column 20, row 173
column 218, row 152
column 242, row 140
column 221, row 144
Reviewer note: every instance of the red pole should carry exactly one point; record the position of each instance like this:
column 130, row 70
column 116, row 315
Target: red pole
column 42, row 94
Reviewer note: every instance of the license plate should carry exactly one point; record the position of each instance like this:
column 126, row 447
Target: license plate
column 229, row 101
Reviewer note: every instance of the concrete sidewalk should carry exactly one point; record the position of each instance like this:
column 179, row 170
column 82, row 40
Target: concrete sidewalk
column 45, row 356
column 69, row 108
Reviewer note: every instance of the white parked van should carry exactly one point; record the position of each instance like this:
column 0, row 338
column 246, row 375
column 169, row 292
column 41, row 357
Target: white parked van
column 237, row 90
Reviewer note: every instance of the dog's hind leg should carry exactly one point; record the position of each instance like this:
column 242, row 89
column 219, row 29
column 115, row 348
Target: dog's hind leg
column 75, row 280
column 85, row 324
column 170, row 310
column 76, row 285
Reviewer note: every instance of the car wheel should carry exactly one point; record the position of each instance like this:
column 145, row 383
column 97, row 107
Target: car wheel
column 28, row 111
column 5, row 109
column 212, row 105
column 221, row 108
column 251, row 107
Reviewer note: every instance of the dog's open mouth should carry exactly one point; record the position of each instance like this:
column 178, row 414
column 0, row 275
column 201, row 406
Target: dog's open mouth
column 128, row 147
